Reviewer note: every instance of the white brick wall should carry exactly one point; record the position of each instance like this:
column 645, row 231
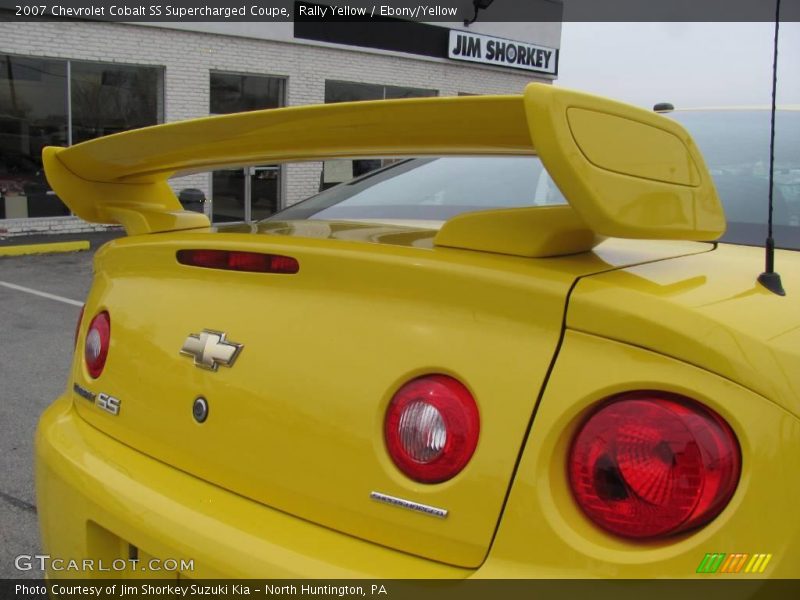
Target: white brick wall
column 188, row 57
column 18, row 227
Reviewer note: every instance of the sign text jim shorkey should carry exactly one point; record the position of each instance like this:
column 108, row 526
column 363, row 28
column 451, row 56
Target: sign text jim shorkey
column 500, row 52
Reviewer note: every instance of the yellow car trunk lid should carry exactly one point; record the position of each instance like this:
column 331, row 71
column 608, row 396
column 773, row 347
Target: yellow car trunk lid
column 296, row 421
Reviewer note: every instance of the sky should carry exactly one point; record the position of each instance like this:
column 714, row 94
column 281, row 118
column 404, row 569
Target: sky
column 687, row 64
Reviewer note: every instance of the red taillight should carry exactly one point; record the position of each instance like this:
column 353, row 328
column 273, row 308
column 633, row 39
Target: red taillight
column 653, row 464
column 95, row 349
column 234, row 260
column 78, row 326
column 432, row 428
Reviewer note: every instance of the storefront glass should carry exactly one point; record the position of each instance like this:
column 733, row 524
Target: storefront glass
column 35, row 111
column 337, row 171
column 108, row 99
column 33, row 114
column 251, row 193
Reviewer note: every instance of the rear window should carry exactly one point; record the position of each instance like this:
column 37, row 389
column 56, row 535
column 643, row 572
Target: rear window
column 433, row 189
column 735, row 144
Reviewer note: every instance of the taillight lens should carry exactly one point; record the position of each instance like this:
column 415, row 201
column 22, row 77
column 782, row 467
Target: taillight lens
column 431, row 428
column 652, row 464
column 95, row 350
column 235, row 260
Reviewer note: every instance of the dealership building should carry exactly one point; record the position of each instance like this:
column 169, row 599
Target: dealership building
column 67, row 81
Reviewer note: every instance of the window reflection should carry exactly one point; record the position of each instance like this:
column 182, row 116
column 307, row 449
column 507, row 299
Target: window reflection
column 338, row 171
column 109, row 99
column 254, row 192
column 34, row 113
column 232, row 93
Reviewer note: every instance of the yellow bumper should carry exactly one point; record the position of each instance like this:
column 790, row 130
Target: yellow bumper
column 98, row 499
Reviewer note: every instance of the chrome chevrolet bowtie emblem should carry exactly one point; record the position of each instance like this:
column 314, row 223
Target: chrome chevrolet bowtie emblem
column 210, row 349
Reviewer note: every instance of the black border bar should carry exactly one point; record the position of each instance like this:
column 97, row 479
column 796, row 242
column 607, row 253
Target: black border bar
column 453, row 11
column 725, row 588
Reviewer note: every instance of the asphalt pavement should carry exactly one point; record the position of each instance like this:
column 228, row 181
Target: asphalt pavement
column 36, row 345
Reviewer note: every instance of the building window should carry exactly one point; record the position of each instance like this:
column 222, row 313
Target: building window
column 251, row 193
column 108, row 99
column 393, row 91
column 339, row 170
column 33, row 114
column 232, row 93
column 37, row 110
column 350, row 91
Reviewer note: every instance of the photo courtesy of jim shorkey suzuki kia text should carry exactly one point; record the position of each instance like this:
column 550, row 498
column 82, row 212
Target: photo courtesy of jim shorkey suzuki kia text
column 125, row 590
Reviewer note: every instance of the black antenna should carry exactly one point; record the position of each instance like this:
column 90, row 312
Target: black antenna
column 769, row 278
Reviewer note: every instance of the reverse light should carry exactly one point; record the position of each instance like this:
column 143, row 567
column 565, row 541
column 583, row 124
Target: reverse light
column 95, row 350
column 652, row 464
column 431, row 428
column 235, row 260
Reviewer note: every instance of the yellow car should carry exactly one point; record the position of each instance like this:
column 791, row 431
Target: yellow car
column 529, row 358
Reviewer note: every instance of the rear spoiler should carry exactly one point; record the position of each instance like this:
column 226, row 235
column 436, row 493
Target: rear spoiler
column 625, row 171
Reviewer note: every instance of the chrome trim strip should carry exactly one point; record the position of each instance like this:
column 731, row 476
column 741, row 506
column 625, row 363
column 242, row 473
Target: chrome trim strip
column 415, row 506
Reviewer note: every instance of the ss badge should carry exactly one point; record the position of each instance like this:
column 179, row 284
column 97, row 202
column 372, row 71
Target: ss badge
column 108, row 403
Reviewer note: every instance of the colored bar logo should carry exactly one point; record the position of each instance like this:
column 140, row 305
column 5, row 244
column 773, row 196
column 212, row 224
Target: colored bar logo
column 719, row 562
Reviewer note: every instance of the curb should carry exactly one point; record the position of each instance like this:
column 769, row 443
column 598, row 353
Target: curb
column 23, row 249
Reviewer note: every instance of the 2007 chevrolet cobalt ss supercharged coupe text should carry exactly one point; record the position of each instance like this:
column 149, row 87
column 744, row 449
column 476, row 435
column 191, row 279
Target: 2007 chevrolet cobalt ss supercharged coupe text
column 529, row 358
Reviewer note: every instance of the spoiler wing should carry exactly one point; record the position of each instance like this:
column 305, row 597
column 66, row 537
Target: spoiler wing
column 626, row 172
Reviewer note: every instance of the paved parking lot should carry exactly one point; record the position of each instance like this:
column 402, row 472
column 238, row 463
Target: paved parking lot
column 40, row 298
